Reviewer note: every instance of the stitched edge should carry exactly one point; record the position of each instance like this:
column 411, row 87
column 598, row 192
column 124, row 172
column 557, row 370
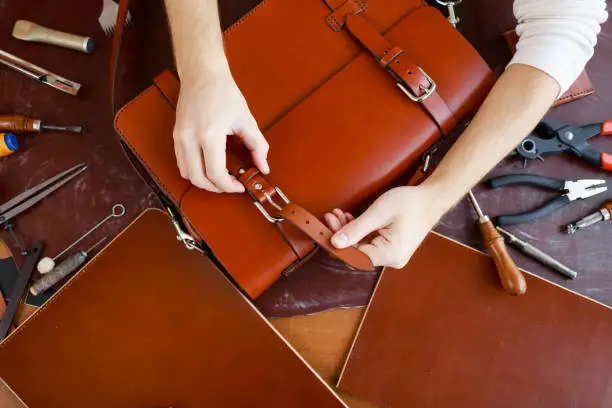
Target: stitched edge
column 242, row 19
column 18, row 332
column 126, row 141
column 573, row 96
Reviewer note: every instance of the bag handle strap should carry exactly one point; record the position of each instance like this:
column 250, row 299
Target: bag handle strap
column 117, row 37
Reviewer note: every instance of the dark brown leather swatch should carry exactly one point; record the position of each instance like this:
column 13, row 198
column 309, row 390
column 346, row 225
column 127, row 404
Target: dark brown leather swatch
column 579, row 89
column 443, row 333
column 150, row 324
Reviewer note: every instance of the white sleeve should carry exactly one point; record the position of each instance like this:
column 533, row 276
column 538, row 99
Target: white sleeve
column 558, row 36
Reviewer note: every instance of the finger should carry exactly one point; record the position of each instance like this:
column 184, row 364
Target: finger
column 349, row 217
column 216, row 171
column 373, row 252
column 180, row 162
column 353, row 232
column 192, row 159
column 341, row 216
column 332, row 222
column 255, row 141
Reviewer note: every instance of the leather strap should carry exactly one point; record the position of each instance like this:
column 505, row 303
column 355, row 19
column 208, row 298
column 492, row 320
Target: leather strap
column 119, row 28
column 341, row 9
column 409, row 76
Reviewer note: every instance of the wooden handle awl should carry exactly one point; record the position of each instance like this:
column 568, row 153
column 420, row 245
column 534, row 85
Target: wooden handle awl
column 29, row 31
column 511, row 277
column 18, row 124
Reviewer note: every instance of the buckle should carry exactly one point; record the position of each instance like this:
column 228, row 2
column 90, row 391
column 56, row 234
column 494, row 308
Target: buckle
column 265, row 213
column 428, row 91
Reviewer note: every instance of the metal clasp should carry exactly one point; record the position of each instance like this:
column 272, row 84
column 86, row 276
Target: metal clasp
column 428, row 91
column 265, row 213
column 187, row 240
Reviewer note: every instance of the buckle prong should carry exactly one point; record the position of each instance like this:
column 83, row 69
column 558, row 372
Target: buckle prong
column 428, row 91
column 274, row 204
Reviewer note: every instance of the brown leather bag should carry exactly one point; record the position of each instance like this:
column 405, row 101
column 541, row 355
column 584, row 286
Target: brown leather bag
column 349, row 94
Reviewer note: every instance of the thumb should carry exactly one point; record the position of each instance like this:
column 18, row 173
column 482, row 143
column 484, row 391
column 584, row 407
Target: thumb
column 257, row 144
column 353, row 232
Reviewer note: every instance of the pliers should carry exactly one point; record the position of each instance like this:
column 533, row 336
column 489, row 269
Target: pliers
column 551, row 136
column 573, row 190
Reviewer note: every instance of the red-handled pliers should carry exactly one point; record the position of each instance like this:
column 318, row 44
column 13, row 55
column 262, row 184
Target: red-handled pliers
column 554, row 137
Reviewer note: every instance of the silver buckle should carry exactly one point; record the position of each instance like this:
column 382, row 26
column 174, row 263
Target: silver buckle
column 187, row 240
column 265, row 213
column 428, row 91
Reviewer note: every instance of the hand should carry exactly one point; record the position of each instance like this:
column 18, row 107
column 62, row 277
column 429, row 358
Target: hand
column 391, row 229
column 207, row 112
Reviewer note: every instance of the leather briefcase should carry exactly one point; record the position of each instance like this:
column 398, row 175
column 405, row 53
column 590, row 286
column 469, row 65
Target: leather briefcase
column 349, row 94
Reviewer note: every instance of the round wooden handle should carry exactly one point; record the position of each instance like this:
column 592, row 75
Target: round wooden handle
column 511, row 277
column 16, row 124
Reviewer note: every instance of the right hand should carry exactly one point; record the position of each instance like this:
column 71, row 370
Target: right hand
column 208, row 111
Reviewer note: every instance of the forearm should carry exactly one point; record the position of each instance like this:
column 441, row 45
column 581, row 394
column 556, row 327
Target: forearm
column 197, row 39
column 518, row 101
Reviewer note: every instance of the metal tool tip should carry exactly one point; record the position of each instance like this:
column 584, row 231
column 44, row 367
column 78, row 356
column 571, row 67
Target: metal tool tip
column 571, row 228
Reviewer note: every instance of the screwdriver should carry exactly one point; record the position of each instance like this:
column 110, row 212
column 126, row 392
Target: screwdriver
column 71, row 264
column 603, row 214
column 511, row 277
column 22, row 124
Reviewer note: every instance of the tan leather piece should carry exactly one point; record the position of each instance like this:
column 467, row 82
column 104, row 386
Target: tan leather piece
column 442, row 332
column 8, row 399
column 323, row 339
column 325, row 108
column 150, row 324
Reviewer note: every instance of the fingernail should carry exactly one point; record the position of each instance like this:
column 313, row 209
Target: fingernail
column 266, row 168
column 340, row 240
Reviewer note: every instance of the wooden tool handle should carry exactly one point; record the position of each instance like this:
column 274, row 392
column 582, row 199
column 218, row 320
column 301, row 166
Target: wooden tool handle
column 5, row 253
column 18, row 124
column 29, row 31
column 511, row 277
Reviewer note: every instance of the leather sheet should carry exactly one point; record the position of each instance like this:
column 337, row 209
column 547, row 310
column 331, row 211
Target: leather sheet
column 148, row 320
column 442, row 332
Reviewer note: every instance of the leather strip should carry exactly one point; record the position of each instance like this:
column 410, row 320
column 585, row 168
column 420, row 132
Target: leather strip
column 119, row 27
column 315, row 229
column 402, row 69
column 337, row 19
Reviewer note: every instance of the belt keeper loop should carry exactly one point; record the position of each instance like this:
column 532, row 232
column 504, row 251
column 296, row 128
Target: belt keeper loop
column 390, row 55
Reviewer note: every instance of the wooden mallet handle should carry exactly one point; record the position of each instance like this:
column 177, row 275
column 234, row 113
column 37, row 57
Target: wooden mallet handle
column 511, row 277
column 29, row 31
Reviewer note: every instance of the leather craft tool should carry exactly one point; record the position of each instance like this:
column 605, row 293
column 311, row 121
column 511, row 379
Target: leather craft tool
column 67, row 267
column 22, row 124
column 39, row 74
column 108, row 17
column 8, row 271
column 573, row 190
column 20, row 289
column 511, row 277
column 452, row 15
column 8, row 144
column 537, row 254
column 603, row 214
column 28, row 31
column 47, row 264
column 34, row 195
column 552, row 137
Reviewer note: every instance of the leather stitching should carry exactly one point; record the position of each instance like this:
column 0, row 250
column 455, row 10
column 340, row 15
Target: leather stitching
column 242, row 19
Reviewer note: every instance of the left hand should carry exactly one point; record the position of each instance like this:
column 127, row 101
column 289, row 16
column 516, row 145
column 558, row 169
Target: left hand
column 391, row 229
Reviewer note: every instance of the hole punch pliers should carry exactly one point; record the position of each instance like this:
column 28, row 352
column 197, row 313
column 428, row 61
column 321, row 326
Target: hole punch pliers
column 551, row 136
column 573, row 190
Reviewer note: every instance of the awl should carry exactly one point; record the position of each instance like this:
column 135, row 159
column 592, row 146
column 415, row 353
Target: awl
column 21, row 124
column 537, row 254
